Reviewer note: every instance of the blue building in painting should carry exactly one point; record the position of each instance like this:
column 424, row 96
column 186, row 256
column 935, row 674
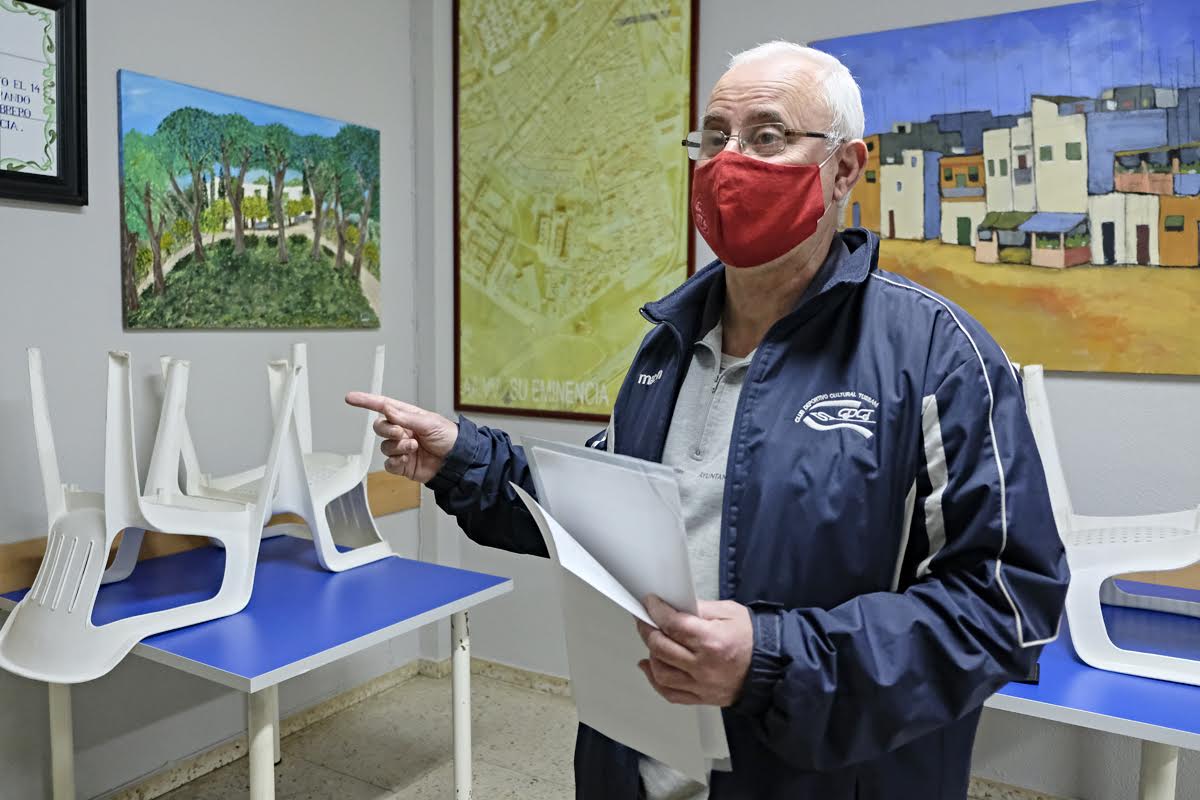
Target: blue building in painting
column 933, row 200
column 1183, row 121
column 971, row 125
column 1109, row 132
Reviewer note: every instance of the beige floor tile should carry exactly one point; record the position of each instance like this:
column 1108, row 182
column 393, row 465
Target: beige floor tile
column 393, row 739
column 295, row 779
column 489, row 781
column 524, row 730
column 389, row 740
column 401, row 742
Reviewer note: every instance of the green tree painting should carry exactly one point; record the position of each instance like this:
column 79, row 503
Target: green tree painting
column 239, row 214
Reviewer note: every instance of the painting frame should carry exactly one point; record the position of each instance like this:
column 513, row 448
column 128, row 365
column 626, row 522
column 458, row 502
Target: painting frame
column 693, row 37
column 70, row 186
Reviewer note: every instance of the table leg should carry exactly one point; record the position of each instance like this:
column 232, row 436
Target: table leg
column 273, row 710
column 1160, row 763
column 62, row 742
column 260, row 730
column 460, row 673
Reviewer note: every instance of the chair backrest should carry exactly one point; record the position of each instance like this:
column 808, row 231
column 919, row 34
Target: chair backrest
column 191, row 462
column 122, row 492
column 277, row 372
column 277, row 375
column 367, row 451
column 52, row 488
column 1037, row 406
column 286, row 448
column 163, row 476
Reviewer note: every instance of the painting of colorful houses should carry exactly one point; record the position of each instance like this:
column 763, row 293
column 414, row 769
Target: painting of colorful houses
column 1042, row 169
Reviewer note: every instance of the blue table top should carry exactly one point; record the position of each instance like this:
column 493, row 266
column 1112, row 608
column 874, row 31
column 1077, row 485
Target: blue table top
column 299, row 617
column 1070, row 691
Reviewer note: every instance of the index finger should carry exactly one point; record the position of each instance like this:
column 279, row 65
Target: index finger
column 371, row 402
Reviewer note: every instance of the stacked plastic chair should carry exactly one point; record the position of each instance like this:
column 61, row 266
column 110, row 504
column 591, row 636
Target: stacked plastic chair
column 1101, row 548
column 327, row 490
column 50, row 635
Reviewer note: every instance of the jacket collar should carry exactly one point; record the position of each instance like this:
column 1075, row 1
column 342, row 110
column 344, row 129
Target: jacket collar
column 696, row 305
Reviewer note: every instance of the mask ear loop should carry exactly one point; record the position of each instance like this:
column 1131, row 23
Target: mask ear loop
column 821, row 166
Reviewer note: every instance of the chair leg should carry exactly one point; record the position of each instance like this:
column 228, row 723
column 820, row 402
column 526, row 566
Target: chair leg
column 347, row 519
column 1113, row 595
column 1093, row 645
column 127, row 556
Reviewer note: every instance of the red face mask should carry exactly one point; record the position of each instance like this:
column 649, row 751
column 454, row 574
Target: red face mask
column 751, row 211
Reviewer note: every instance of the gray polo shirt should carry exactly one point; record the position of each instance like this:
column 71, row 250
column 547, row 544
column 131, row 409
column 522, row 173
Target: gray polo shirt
column 698, row 447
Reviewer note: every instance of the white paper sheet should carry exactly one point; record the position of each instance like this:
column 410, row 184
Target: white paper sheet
column 624, row 512
column 621, row 535
column 603, row 649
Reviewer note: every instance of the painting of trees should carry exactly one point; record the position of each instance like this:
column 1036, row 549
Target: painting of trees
column 195, row 162
column 187, row 141
column 237, row 144
column 360, row 158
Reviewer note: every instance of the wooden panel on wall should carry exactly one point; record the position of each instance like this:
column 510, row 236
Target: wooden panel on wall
column 1188, row 577
column 19, row 561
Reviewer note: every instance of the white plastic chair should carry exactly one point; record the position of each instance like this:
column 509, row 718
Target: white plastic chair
column 50, row 635
column 1101, row 548
column 327, row 490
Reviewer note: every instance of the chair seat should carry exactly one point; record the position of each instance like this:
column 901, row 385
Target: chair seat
column 1123, row 535
column 319, row 468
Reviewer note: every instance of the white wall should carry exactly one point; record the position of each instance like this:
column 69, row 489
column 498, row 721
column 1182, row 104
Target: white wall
column 1113, row 467
column 902, row 195
column 64, row 294
column 997, row 146
column 1061, row 183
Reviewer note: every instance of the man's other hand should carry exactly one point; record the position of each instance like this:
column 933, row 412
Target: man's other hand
column 698, row 659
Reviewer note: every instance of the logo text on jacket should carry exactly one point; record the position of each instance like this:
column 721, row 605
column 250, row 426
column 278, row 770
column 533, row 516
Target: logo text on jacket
column 853, row 411
column 649, row 380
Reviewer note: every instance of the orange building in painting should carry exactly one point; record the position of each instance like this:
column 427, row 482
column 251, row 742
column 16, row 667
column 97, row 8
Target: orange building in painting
column 1178, row 231
column 863, row 209
column 962, row 172
column 964, row 200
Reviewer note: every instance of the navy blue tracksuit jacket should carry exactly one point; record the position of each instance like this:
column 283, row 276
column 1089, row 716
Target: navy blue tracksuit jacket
column 885, row 518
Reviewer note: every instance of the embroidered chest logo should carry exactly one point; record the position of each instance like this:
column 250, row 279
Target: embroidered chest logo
column 649, row 380
column 853, row 411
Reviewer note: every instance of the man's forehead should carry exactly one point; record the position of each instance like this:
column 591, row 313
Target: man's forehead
column 768, row 90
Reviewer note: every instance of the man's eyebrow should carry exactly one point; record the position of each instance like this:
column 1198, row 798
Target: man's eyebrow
column 763, row 115
column 713, row 120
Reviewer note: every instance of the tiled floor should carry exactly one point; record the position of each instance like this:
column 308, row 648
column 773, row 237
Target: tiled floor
column 398, row 745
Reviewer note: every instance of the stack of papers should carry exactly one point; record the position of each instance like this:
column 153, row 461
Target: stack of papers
column 613, row 525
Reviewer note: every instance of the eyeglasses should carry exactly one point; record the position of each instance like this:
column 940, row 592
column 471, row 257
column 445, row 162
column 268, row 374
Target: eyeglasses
column 767, row 139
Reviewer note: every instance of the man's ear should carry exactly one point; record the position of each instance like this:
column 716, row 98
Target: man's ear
column 850, row 162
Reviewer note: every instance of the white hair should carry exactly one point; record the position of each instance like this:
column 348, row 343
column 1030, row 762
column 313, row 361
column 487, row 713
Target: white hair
column 843, row 97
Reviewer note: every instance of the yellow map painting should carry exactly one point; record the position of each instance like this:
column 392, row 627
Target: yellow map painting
column 572, row 194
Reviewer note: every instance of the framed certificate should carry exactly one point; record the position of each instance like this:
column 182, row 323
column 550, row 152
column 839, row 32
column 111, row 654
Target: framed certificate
column 43, row 119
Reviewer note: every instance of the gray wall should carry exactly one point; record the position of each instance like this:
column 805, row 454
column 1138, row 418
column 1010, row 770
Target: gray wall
column 1128, row 443
column 351, row 63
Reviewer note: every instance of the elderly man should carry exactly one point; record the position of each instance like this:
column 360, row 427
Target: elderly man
column 867, row 518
